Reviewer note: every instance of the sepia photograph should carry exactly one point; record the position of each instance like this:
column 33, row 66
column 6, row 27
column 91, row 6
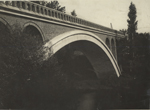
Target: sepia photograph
column 75, row 54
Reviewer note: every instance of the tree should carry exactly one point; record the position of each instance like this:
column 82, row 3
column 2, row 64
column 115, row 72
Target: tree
column 73, row 13
column 55, row 5
column 40, row 2
column 124, row 31
column 132, row 26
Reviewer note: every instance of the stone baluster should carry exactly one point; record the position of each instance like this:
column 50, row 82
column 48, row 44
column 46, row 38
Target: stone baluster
column 20, row 4
column 35, row 8
column 1, row 2
column 79, row 21
column 50, row 12
column 14, row 3
column 85, row 23
column 25, row 7
column 43, row 9
column 53, row 14
column 62, row 16
column 39, row 9
column 47, row 11
column 8, row 3
column 56, row 14
column 30, row 5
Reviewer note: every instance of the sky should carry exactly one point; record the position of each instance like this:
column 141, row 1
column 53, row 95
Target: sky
column 104, row 12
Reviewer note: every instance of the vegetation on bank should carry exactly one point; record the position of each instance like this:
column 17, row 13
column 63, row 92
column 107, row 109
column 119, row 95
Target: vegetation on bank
column 25, row 80
column 133, row 58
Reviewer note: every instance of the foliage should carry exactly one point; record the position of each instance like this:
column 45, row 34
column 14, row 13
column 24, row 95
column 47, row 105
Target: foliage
column 135, row 70
column 132, row 27
column 132, row 23
column 40, row 2
column 73, row 13
column 55, row 5
column 26, row 81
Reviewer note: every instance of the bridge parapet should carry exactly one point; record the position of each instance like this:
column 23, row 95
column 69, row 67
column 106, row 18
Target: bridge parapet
column 56, row 15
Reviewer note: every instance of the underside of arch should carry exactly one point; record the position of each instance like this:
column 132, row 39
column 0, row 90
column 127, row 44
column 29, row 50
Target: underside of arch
column 92, row 46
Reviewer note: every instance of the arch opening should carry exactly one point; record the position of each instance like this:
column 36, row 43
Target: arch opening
column 33, row 35
column 113, row 46
column 84, row 58
column 92, row 46
column 107, row 42
column 96, row 50
column 75, row 62
column 4, row 30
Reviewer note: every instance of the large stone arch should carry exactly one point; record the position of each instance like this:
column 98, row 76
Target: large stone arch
column 92, row 46
column 36, row 26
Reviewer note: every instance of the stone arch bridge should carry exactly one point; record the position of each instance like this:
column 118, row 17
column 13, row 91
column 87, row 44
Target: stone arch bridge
column 96, row 42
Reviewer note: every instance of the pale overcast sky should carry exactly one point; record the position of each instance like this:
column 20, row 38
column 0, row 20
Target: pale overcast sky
column 104, row 12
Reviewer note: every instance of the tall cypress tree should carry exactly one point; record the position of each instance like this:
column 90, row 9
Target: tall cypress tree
column 132, row 27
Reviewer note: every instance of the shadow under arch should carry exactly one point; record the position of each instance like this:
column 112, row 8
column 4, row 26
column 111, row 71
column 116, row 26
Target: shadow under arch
column 92, row 46
column 35, row 26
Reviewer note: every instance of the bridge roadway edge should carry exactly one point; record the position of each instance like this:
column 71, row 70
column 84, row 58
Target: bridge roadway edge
column 102, row 34
column 51, row 19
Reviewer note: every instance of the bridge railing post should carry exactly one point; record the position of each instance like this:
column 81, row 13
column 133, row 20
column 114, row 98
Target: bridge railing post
column 35, row 8
column 8, row 3
column 52, row 14
column 14, row 3
column 39, row 9
column 25, row 5
column 45, row 11
column 30, row 5
column 62, row 16
column 56, row 14
column 49, row 12
column 20, row 4
column 42, row 10
column 1, row 2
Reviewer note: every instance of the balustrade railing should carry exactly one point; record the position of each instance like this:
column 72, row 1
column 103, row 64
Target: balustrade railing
column 37, row 8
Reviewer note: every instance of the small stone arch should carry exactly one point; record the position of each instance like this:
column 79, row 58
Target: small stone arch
column 36, row 26
column 108, row 42
column 86, row 42
column 6, row 24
